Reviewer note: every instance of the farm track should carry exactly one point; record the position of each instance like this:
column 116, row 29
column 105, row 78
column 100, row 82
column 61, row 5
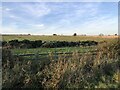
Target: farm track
column 55, row 55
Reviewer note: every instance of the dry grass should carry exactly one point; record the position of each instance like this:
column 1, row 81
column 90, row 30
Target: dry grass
column 77, row 71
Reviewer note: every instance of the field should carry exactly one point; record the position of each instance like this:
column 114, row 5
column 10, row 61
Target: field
column 58, row 38
column 48, row 50
column 75, row 70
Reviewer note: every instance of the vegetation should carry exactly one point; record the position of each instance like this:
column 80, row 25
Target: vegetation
column 47, row 44
column 53, row 50
column 75, row 34
column 78, row 71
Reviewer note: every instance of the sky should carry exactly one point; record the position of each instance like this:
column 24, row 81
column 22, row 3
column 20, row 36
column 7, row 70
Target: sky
column 62, row 18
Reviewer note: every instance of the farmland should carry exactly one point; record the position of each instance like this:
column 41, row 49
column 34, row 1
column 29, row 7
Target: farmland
column 63, row 44
column 75, row 70
column 52, row 38
column 47, row 51
column 58, row 38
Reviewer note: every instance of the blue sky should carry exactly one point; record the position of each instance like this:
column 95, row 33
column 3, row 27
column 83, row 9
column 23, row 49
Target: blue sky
column 91, row 18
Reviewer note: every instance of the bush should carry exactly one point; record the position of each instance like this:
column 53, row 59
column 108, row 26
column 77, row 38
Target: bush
column 14, row 43
column 75, row 34
column 48, row 44
column 4, row 43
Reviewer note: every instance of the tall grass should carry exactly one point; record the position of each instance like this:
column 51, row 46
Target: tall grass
column 76, row 71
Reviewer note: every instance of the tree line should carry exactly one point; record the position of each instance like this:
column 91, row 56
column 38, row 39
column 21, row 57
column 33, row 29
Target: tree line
column 48, row 44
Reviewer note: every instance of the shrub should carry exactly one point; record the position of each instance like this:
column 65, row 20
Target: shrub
column 14, row 43
column 48, row 44
column 75, row 34
column 54, row 34
column 4, row 43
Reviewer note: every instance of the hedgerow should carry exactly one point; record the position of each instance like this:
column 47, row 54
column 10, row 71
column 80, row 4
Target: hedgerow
column 47, row 44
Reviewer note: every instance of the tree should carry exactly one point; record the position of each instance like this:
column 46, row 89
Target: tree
column 75, row 34
column 54, row 34
column 101, row 34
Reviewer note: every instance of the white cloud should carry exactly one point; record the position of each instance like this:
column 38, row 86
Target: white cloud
column 8, row 9
column 14, row 17
column 106, row 25
column 92, row 8
column 14, row 29
column 37, row 26
column 36, row 10
column 25, row 12
column 60, row 0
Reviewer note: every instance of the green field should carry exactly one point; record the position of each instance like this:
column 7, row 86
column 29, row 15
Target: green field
column 55, row 38
column 48, row 50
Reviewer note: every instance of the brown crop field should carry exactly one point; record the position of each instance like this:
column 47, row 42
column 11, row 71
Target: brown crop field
column 58, row 38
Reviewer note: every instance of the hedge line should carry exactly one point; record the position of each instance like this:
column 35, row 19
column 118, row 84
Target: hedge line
column 47, row 44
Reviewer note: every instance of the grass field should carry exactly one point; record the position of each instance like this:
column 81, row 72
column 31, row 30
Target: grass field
column 47, row 50
column 58, row 38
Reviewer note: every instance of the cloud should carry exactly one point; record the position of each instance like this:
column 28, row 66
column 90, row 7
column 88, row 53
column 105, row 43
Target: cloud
column 105, row 25
column 60, row 0
column 74, row 18
column 0, row 15
column 35, row 9
column 80, row 11
column 24, row 12
column 38, row 26
column 8, row 9
column 59, row 18
column 92, row 8
column 13, row 28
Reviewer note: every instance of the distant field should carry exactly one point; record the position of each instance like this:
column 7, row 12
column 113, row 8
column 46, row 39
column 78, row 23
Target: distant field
column 58, row 38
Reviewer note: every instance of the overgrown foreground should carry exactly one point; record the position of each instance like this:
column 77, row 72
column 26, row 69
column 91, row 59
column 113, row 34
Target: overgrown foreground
column 77, row 71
